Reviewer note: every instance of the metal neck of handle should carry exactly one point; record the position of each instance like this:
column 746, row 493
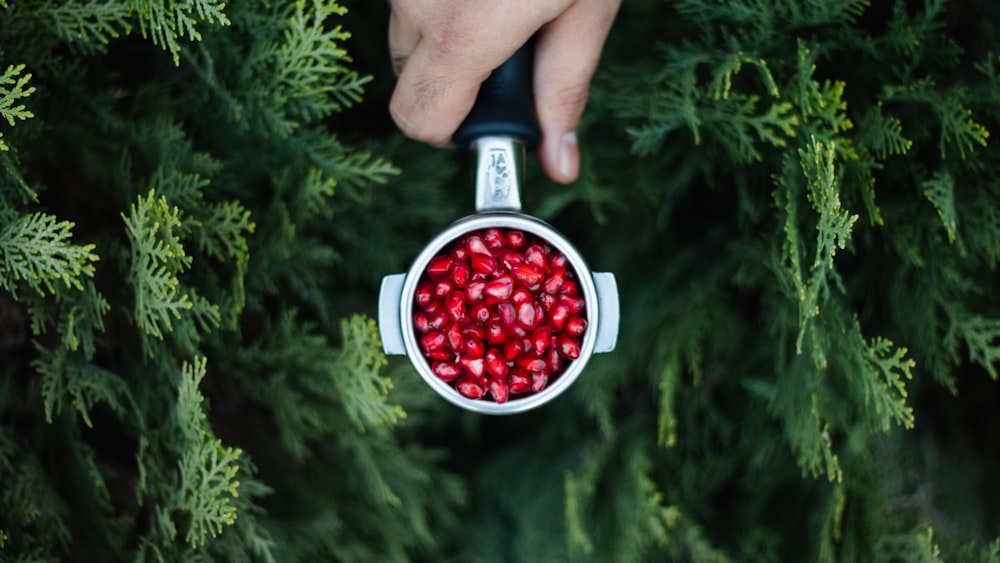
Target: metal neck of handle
column 499, row 173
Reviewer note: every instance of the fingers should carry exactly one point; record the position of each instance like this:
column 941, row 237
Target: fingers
column 404, row 37
column 566, row 58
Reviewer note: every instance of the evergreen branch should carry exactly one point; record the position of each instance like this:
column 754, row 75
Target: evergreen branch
column 356, row 375
column 882, row 134
column 981, row 337
column 92, row 22
column 958, row 128
column 36, row 249
column 884, row 387
column 224, row 230
column 157, row 256
column 208, row 488
column 189, row 413
column 14, row 88
column 167, row 21
column 940, row 191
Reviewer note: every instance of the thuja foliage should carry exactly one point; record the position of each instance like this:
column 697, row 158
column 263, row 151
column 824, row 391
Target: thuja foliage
column 799, row 200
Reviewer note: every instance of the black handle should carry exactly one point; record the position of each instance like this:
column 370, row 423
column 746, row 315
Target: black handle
column 505, row 105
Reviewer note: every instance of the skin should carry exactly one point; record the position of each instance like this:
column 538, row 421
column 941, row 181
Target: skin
column 442, row 50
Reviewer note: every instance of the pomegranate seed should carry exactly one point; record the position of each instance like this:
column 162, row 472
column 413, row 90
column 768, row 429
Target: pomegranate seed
column 539, row 380
column 484, row 264
column 540, row 339
column 535, row 255
column 495, row 364
column 447, row 371
column 547, row 301
column 507, row 314
column 558, row 260
column 438, row 320
column 515, row 239
column 454, row 336
column 475, row 245
column 460, row 274
column 474, row 348
column 472, row 366
column 531, row 363
column 495, row 333
column 471, row 387
column 480, row 313
column 454, row 303
column 474, row 291
column 527, row 274
column 526, row 315
column 510, row 259
column 442, row 288
column 575, row 304
column 552, row 359
column 500, row 288
column 498, row 388
column 568, row 346
column 474, row 332
column 520, row 295
column 421, row 322
column 424, row 295
column 569, row 287
column 518, row 382
column 438, row 267
column 494, row 238
column 432, row 341
column 559, row 315
column 575, row 326
column 554, row 281
column 512, row 349
column 440, row 354
column 460, row 253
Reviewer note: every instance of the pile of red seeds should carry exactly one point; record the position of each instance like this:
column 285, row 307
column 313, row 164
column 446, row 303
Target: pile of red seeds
column 499, row 312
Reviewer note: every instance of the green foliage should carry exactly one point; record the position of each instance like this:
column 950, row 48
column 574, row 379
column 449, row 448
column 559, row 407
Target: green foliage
column 35, row 250
column 13, row 88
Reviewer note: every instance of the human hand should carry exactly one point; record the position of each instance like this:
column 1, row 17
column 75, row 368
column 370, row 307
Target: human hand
column 442, row 50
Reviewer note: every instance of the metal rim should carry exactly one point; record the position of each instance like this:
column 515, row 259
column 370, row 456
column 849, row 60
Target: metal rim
column 506, row 220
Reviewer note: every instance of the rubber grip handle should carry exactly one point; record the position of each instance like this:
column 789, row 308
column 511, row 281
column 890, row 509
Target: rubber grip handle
column 505, row 106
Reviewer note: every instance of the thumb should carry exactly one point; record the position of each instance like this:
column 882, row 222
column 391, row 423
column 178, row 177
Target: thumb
column 566, row 56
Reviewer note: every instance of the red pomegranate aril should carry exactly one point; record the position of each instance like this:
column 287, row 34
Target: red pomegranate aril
column 527, row 274
column 509, row 259
column 493, row 238
column 547, row 301
column 526, row 315
column 515, row 239
column 440, row 354
column 432, row 341
column 520, row 295
column 484, row 264
column 575, row 326
column 421, row 322
column 454, row 337
column 558, row 315
column 495, row 333
column 531, row 363
column 479, row 314
column 539, row 380
column 474, row 348
column 460, row 275
column 512, row 349
column 447, row 371
column 442, row 288
column 474, row 332
column 518, row 382
column 460, row 253
column 569, row 287
column 475, row 245
column 540, row 339
column 568, row 347
column 472, row 366
column 471, row 387
column 424, row 295
column 438, row 267
column 437, row 320
column 496, row 365
column 552, row 358
column 554, row 281
column 575, row 304
column 498, row 388
column 454, row 303
column 475, row 290
column 500, row 288
column 558, row 260
column 535, row 255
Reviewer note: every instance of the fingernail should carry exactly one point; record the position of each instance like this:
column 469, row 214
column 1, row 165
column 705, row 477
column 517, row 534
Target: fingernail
column 567, row 152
